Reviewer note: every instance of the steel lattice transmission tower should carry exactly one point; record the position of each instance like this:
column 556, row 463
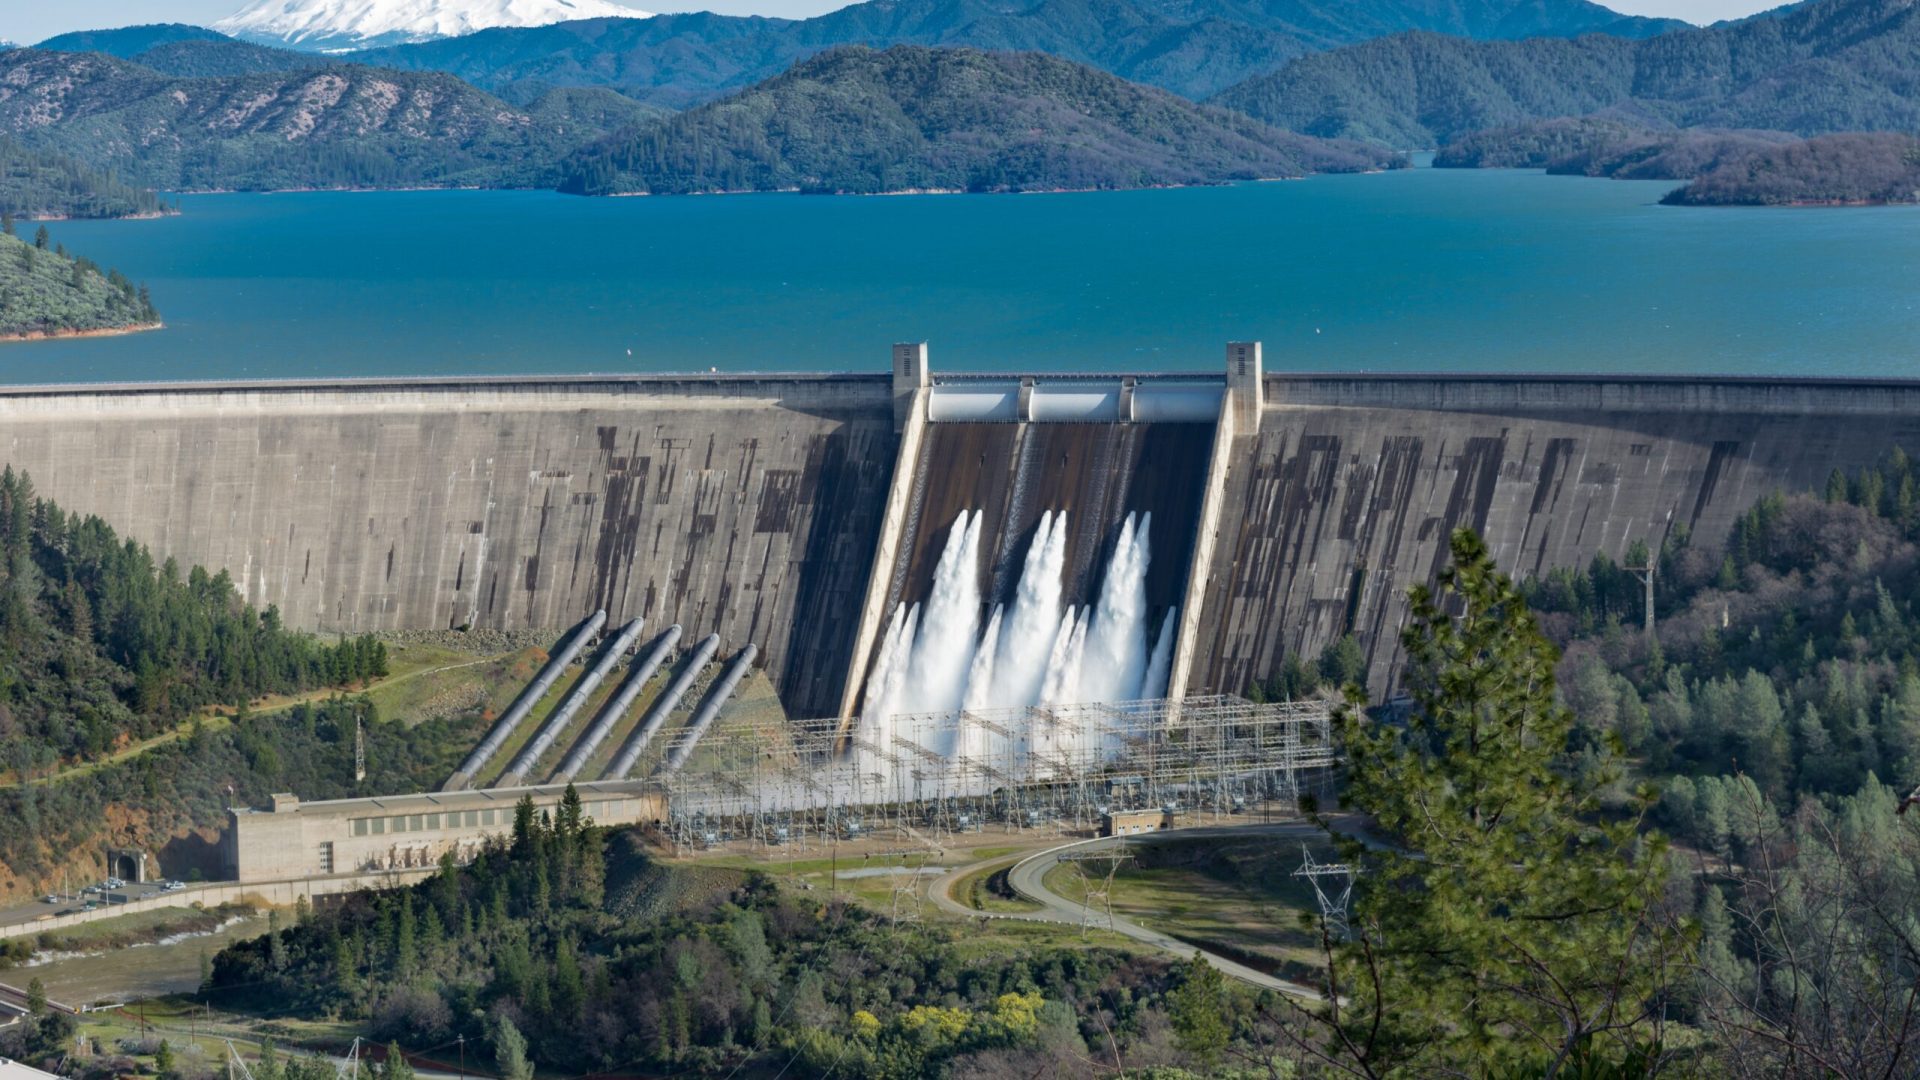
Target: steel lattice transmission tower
column 1333, row 905
column 1097, row 887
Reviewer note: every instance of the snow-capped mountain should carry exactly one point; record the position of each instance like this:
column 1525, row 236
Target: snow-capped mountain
column 339, row 25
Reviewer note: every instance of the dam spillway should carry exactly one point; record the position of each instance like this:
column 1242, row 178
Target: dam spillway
column 762, row 508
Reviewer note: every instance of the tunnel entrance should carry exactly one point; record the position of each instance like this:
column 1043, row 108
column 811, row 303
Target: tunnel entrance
column 127, row 864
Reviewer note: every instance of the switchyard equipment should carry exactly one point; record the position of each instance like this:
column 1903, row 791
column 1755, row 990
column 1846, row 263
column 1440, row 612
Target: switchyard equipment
column 1040, row 767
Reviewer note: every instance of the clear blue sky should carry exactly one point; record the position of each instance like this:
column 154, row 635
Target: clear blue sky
column 28, row 21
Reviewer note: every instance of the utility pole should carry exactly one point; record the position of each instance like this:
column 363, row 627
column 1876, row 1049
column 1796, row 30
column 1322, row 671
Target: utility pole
column 1645, row 574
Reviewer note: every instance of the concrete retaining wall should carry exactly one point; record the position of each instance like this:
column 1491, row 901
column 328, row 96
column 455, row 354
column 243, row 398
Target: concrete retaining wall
column 259, row 893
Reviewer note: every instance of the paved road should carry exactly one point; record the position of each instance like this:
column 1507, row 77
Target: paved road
column 1027, row 876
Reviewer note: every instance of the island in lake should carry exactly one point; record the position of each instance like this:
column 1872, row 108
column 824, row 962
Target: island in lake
column 45, row 292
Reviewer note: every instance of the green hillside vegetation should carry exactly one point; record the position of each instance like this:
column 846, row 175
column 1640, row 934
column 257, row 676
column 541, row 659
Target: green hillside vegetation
column 44, row 291
column 1594, row 146
column 1816, row 68
column 339, row 126
column 101, row 646
column 911, row 118
column 1811, row 688
column 541, row 956
column 1877, row 168
column 1194, row 48
column 38, row 184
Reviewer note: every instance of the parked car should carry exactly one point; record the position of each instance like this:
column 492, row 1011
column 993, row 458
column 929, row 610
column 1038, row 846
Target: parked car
column 50, row 899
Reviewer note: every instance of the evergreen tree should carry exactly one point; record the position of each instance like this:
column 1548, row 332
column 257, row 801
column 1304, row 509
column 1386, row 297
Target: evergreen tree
column 510, row 1051
column 1509, row 929
column 1199, row 1009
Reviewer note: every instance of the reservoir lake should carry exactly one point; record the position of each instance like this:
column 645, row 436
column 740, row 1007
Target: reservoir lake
column 1418, row 270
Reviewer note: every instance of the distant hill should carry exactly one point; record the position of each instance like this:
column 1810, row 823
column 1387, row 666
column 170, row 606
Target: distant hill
column 127, row 42
column 1193, row 47
column 1600, row 146
column 43, row 184
column 340, row 25
column 334, row 126
column 45, row 292
column 211, row 59
column 178, row 49
column 1851, row 169
column 1819, row 67
column 911, row 118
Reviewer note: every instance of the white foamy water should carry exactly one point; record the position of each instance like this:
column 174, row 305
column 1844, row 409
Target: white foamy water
column 936, row 657
column 1160, row 667
column 1114, row 660
column 949, row 624
column 1028, row 638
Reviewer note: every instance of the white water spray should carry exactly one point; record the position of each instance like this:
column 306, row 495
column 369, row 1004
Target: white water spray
column 949, row 624
column 975, row 740
column 937, row 658
column 886, row 685
column 1115, row 657
column 1035, row 622
column 1161, row 666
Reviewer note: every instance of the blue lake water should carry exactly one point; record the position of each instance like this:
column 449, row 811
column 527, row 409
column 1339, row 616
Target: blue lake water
column 1413, row 271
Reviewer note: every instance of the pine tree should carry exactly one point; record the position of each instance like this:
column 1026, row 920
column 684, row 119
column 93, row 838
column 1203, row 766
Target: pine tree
column 1199, row 1009
column 510, row 1051
column 1509, row 929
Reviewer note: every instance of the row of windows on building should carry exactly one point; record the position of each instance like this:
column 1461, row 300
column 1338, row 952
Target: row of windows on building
column 463, row 819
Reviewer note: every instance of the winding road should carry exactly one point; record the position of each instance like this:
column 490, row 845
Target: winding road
column 1027, row 877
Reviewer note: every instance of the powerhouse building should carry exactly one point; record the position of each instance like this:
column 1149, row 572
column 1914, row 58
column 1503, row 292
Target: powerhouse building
column 294, row 839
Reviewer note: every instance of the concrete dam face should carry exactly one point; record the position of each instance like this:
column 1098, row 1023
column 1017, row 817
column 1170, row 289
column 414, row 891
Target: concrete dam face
column 805, row 515
column 738, row 507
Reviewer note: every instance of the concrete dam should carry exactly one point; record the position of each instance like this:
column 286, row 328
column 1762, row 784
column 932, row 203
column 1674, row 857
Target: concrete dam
column 1233, row 519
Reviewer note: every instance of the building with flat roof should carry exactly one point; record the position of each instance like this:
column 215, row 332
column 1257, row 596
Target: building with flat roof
column 293, row 839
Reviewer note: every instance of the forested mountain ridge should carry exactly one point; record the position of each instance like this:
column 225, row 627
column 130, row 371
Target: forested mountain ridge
column 1866, row 168
column 1820, row 67
column 909, row 118
column 127, row 42
column 1603, row 146
column 40, row 184
column 1193, row 48
column 178, row 49
column 335, row 126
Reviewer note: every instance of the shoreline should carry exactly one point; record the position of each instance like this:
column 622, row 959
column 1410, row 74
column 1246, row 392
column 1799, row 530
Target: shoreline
column 144, row 215
column 57, row 335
